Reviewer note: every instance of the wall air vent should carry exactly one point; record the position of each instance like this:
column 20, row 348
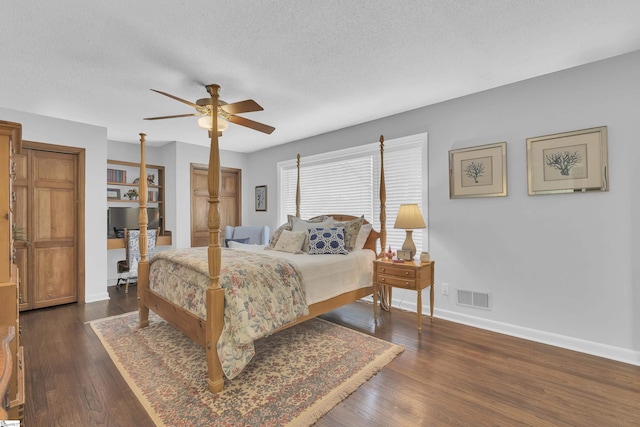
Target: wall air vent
column 474, row 299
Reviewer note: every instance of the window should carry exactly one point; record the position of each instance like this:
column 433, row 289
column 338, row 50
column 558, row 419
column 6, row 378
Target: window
column 348, row 182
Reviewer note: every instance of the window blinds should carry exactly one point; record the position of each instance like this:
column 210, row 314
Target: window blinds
column 348, row 182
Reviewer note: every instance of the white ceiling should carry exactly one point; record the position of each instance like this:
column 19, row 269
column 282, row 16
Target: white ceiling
column 315, row 66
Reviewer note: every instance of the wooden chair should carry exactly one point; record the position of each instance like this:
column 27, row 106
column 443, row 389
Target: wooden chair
column 128, row 268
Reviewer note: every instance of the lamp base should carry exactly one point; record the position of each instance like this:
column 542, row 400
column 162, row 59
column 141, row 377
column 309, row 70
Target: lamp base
column 408, row 245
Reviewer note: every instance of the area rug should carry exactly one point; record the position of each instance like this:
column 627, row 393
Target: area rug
column 296, row 377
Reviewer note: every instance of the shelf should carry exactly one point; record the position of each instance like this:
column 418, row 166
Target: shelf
column 119, row 171
column 119, row 243
column 131, row 201
column 130, row 184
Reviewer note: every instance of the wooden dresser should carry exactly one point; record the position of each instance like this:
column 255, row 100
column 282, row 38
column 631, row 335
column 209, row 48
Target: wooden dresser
column 6, row 365
column 10, row 144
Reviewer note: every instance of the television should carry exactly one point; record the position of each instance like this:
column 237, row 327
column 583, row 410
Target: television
column 119, row 218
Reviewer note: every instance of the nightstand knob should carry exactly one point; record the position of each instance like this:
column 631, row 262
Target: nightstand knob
column 406, row 273
column 406, row 283
column 382, row 269
column 383, row 279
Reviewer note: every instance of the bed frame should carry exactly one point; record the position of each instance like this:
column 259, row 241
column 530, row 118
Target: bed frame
column 206, row 332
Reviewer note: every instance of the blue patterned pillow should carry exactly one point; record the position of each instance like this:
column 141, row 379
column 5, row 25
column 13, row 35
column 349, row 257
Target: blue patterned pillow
column 324, row 241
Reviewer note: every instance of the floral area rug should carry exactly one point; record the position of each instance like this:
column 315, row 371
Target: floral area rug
column 296, row 377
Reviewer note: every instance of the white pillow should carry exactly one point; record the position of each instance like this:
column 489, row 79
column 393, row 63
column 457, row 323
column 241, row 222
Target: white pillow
column 237, row 245
column 363, row 235
column 304, row 226
column 290, row 241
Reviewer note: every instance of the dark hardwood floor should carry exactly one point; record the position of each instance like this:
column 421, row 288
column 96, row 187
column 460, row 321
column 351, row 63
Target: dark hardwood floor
column 450, row 375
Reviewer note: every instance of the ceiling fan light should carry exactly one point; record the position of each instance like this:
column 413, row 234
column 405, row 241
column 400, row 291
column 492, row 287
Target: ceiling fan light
column 205, row 122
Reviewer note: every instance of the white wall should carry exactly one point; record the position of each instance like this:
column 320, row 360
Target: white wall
column 185, row 155
column 560, row 268
column 94, row 140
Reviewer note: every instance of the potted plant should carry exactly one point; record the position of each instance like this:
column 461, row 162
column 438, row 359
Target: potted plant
column 132, row 194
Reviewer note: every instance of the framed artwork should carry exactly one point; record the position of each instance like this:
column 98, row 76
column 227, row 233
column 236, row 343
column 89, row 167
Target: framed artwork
column 568, row 162
column 479, row 171
column 261, row 198
column 113, row 194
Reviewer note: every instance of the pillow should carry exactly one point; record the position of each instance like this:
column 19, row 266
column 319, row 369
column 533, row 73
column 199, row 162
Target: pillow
column 276, row 234
column 325, row 241
column 319, row 218
column 363, row 235
column 351, row 229
column 290, row 241
column 289, row 225
column 304, row 226
column 241, row 246
column 245, row 241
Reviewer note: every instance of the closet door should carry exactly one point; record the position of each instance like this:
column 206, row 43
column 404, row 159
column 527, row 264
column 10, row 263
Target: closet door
column 21, row 238
column 54, row 239
column 48, row 208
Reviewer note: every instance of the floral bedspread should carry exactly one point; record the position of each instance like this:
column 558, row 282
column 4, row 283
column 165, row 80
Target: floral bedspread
column 261, row 293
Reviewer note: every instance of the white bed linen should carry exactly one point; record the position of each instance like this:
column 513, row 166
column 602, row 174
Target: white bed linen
column 325, row 276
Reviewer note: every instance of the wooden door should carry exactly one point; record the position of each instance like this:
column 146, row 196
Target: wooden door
column 21, row 241
column 47, row 205
column 230, row 202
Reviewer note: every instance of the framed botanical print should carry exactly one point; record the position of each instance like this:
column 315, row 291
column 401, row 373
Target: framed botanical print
column 479, row 171
column 568, row 162
column 261, row 198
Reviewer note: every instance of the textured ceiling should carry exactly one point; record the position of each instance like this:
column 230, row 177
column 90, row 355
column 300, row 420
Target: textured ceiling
column 315, row 66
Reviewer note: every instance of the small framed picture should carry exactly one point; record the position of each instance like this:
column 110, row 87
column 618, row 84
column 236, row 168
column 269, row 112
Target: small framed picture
column 405, row 255
column 261, row 198
column 568, row 162
column 113, row 194
column 479, row 171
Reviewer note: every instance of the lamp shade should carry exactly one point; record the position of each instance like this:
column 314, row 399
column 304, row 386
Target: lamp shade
column 409, row 217
column 206, row 122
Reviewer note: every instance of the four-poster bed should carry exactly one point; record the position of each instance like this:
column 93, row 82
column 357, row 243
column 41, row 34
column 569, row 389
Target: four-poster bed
column 207, row 331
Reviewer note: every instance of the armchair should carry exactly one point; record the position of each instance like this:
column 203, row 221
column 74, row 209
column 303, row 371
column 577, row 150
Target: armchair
column 256, row 234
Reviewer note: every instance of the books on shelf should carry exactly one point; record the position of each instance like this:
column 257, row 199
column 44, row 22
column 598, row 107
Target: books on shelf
column 116, row 175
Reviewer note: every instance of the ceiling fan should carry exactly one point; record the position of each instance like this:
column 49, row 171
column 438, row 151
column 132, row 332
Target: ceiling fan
column 226, row 112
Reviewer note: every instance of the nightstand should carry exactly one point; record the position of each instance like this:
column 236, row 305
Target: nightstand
column 413, row 275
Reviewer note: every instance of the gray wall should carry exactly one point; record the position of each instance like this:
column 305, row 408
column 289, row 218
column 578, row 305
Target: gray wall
column 559, row 268
column 93, row 139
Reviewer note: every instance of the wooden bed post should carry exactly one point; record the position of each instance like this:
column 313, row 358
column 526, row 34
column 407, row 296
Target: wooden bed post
column 215, row 294
column 385, row 294
column 143, row 221
column 383, row 201
column 298, row 189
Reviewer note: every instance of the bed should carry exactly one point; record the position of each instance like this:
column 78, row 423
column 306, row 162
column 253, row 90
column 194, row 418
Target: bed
column 206, row 327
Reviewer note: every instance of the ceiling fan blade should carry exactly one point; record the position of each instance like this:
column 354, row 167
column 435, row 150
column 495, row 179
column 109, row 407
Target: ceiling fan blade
column 170, row 117
column 251, row 124
column 242, row 107
column 176, row 98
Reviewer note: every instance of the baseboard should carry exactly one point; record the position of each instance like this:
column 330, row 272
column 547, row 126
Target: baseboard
column 576, row 344
column 96, row 297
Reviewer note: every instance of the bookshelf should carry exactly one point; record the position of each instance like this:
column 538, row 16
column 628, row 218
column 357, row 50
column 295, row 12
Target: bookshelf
column 122, row 188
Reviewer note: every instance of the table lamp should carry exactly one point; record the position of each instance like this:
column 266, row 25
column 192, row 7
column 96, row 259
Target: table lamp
column 409, row 217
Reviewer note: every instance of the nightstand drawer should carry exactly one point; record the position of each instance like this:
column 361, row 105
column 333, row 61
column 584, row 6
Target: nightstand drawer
column 389, row 270
column 396, row 281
